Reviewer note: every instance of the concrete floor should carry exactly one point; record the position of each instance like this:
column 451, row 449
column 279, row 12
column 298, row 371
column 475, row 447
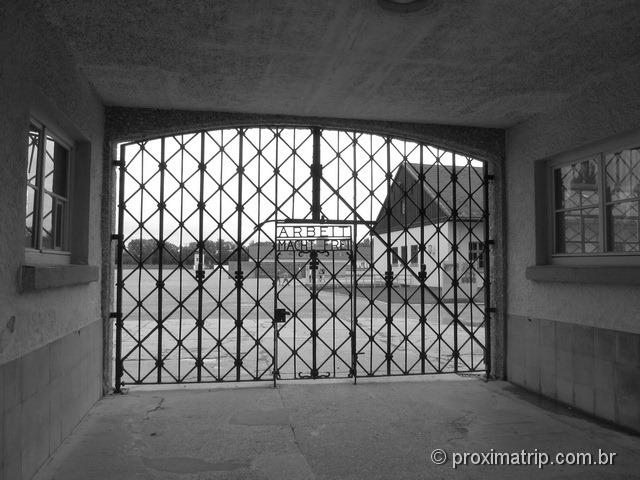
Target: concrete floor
column 375, row 430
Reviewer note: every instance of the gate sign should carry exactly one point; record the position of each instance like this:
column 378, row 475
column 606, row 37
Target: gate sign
column 307, row 238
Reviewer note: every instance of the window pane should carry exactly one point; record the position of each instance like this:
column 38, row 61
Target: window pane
column 60, row 170
column 577, row 231
column 47, row 221
column 32, row 154
column 30, row 215
column 576, row 185
column 49, row 155
column 624, row 225
column 59, row 219
column 55, row 168
column 623, row 175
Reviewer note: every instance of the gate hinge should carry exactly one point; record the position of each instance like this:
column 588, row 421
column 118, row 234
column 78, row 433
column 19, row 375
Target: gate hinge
column 491, row 178
column 116, row 236
column 118, row 163
column 492, row 310
column 491, row 242
column 113, row 315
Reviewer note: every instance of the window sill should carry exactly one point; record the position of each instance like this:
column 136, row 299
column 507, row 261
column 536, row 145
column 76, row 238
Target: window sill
column 46, row 258
column 36, row 277
column 603, row 275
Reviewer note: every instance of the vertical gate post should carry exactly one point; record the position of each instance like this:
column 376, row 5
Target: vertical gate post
column 487, row 274
column 239, row 275
column 316, row 172
column 276, row 257
column 423, row 273
column 353, row 255
column 454, row 214
column 119, row 367
column 389, row 272
column 200, row 256
column 160, row 282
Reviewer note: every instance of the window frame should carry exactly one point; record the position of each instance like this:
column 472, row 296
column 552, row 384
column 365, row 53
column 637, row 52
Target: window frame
column 601, row 257
column 36, row 253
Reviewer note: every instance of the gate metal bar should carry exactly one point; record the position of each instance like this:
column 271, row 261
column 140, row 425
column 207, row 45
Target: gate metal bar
column 389, row 272
column 119, row 279
column 423, row 273
column 160, row 283
column 454, row 215
column 238, row 275
column 487, row 279
column 393, row 342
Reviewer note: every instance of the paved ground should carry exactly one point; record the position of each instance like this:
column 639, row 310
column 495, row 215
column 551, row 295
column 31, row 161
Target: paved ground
column 383, row 429
column 218, row 339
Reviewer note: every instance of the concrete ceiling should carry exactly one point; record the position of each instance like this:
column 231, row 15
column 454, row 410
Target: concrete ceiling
column 490, row 63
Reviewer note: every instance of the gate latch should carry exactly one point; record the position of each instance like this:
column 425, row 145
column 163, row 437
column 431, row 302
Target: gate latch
column 280, row 315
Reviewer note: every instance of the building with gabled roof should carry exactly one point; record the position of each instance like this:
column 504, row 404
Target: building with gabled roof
column 452, row 208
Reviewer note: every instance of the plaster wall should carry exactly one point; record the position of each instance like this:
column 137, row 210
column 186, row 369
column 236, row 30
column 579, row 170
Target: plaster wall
column 595, row 115
column 608, row 109
column 38, row 78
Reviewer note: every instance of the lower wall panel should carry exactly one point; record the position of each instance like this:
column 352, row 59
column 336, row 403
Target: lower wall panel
column 595, row 370
column 43, row 396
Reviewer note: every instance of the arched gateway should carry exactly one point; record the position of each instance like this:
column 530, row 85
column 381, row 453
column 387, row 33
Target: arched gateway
column 281, row 253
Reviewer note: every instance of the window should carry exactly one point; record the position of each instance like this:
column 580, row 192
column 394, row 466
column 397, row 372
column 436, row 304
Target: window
column 403, row 254
column 403, row 206
column 414, row 254
column 47, row 206
column 476, row 253
column 596, row 205
column 394, row 255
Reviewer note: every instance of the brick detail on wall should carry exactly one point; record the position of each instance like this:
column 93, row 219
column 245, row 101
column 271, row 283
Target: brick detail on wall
column 44, row 395
column 595, row 370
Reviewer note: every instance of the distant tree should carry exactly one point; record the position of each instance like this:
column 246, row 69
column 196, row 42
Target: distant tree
column 215, row 252
column 142, row 250
column 187, row 252
column 147, row 251
column 171, row 254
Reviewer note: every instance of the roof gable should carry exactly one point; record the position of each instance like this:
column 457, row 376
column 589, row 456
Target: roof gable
column 436, row 193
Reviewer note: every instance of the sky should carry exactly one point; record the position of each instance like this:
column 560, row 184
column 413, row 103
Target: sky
column 357, row 171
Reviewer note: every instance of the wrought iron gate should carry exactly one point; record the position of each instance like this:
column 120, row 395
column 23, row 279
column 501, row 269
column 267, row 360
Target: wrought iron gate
column 227, row 271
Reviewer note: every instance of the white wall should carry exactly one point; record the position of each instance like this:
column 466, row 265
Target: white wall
column 442, row 253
